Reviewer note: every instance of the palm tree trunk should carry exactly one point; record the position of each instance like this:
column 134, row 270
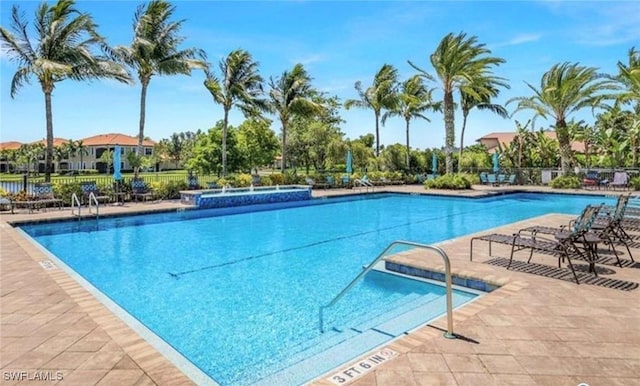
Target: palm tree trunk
column 48, row 156
column 225, row 122
column 449, row 129
column 562, row 133
column 408, row 148
column 377, row 133
column 143, row 106
column 284, row 146
column 464, row 125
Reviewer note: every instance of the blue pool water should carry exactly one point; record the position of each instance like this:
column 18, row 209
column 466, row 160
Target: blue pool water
column 238, row 295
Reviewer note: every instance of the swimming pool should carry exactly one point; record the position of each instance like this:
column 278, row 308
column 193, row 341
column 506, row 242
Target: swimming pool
column 238, row 295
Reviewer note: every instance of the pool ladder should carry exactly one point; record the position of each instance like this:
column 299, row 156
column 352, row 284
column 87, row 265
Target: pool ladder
column 75, row 202
column 447, row 268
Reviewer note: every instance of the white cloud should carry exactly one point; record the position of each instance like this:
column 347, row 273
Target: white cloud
column 519, row 39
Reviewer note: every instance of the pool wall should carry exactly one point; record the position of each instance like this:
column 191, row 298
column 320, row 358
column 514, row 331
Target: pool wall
column 225, row 198
column 467, row 282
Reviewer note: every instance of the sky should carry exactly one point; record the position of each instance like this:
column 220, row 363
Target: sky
column 339, row 43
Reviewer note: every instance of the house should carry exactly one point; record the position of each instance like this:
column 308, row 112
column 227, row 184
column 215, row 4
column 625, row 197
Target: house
column 89, row 158
column 493, row 141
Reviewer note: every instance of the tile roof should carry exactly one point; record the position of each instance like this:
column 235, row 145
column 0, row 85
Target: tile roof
column 507, row 138
column 96, row 140
column 115, row 139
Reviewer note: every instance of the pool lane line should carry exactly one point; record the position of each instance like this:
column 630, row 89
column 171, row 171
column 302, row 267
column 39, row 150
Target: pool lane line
column 177, row 275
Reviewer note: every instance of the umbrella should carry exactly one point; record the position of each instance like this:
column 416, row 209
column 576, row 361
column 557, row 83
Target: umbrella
column 434, row 163
column 496, row 162
column 349, row 162
column 116, row 163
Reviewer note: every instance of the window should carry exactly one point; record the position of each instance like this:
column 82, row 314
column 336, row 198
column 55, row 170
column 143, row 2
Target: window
column 148, row 151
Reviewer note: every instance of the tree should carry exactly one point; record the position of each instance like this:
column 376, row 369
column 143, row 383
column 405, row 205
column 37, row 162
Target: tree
column 155, row 51
column 629, row 75
column 241, row 86
column 290, row 96
column 458, row 61
column 565, row 89
column 257, row 143
column 82, row 150
column 380, row 95
column 70, row 149
column 478, row 95
column 64, row 47
column 206, row 156
column 107, row 158
column 413, row 100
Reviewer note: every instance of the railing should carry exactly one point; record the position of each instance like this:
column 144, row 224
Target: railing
column 447, row 268
column 75, row 202
column 360, row 183
column 93, row 201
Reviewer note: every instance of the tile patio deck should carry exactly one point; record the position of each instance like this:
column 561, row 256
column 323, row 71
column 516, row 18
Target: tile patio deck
column 534, row 330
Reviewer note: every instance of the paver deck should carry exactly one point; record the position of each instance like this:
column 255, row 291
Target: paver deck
column 534, row 330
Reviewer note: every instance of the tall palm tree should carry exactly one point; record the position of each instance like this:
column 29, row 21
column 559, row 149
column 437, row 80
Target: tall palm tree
column 629, row 75
column 70, row 151
column 564, row 89
column 240, row 85
column 478, row 95
column 380, row 95
column 414, row 99
column 458, row 61
column 155, row 50
column 64, row 47
column 81, row 150
column 290, row 95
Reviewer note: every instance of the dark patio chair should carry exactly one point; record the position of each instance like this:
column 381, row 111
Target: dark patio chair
column 140, row 190
column 89, row 187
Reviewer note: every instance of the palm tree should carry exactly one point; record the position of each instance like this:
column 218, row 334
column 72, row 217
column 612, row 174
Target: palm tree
column 380, row 95
column 70, row 151
column 155, row 51
column 414, row 99
column 63, row 48
column 240, row 85
column 290, row 95
column 82, row 150
column 478, row 95
column 564, row 89
column 629, row 75
column 458, row 62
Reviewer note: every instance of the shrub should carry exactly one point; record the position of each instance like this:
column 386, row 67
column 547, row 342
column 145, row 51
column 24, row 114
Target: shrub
column 277, row 178
column 266, row 181
column 168, row 190
column 566, row 182
column 450, row 181
column 634, row 183
column 65, row 191
column 243, row 180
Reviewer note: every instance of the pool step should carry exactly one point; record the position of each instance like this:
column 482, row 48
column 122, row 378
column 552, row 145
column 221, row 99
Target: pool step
column 327, row 359
column 343, row 345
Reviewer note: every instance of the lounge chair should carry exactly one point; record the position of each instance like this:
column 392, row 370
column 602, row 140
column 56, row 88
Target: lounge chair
column 140, row 190
column 89, row 187
column 44, row 196
column 313, row 184
column 620, row 179
column 564, row 244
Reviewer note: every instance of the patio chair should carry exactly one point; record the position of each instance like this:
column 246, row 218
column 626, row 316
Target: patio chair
column 620, row 179
column 192, row 182
column 89, row 187
column 591, row 179
column 331, row 182
column 564, row 243
column 313, row 184
column 484, row 178
column 346, row 181
column 44, row 196
column 140, row 190
column 492, row 179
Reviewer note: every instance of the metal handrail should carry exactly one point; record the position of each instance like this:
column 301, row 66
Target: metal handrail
column 93, row 200
column 447, row 268
column 75, row 200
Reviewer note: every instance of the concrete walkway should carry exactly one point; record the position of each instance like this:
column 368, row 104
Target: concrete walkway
column 533, row 330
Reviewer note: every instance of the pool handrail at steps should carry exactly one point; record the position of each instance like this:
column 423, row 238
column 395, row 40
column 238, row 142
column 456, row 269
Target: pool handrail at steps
column 447, row 267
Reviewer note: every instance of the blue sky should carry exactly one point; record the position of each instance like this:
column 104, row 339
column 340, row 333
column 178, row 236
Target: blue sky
column 339, row 43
